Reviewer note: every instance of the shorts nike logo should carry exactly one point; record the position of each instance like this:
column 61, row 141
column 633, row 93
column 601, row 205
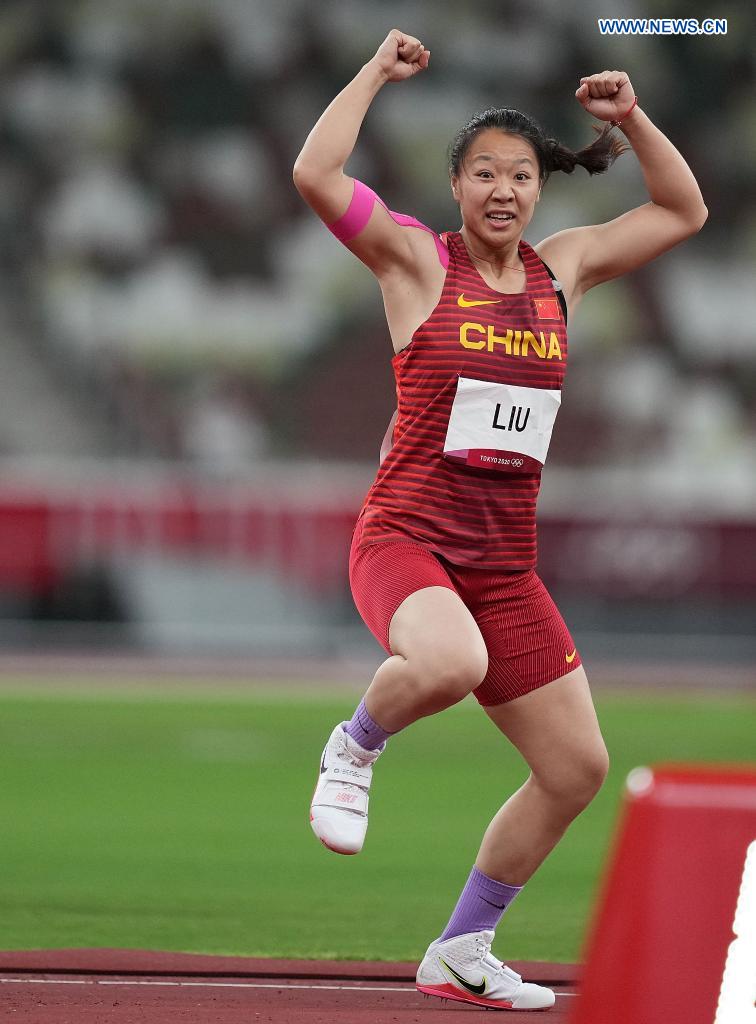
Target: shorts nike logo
column 477, row 990
column 569, row 658
column 466, row 303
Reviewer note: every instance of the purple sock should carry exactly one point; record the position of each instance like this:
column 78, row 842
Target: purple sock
column 364, row 730
column 481, row 905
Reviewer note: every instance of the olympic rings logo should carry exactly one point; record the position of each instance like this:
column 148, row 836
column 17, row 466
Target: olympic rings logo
column 518, row 463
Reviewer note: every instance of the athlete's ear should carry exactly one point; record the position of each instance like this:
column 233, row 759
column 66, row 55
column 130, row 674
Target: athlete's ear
column 455, row 187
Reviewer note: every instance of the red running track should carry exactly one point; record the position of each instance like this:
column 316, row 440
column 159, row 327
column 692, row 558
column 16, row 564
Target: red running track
column 110, row 986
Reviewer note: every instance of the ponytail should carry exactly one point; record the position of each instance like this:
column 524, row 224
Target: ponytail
column 596, row 158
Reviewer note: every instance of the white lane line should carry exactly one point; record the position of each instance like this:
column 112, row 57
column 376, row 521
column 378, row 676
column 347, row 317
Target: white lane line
column 200, row 984
column 42, row 981
column 260, row 984
column 215, row 984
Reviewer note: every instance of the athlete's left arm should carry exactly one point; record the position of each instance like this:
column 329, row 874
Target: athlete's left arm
column 676, row 211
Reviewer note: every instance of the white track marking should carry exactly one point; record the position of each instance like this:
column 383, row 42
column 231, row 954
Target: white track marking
column 199, row 984
column 216, row 984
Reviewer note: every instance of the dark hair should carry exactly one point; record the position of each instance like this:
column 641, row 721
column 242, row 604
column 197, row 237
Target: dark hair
column 552, row 155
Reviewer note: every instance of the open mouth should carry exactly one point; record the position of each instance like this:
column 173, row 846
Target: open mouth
column 499, row 217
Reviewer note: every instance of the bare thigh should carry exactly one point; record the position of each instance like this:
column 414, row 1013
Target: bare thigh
column 434, row 631
column 438, row 657
column 556, row 730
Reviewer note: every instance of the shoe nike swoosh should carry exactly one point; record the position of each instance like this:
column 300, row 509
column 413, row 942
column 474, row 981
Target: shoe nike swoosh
column 569, row 658
column 466, row 303
column 322, row 763
column 477, row 990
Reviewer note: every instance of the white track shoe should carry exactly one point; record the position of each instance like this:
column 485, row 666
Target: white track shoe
column 464, row 968
column 339, row 810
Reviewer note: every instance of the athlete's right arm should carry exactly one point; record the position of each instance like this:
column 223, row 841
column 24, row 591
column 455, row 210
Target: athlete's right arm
column 319, row 170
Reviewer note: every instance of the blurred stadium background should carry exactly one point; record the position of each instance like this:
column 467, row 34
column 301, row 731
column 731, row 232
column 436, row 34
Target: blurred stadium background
column 194, row 376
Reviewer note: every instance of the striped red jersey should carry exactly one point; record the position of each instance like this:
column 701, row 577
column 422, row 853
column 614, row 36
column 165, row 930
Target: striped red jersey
column 468, row 515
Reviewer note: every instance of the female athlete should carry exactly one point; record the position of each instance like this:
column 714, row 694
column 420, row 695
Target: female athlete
column 443, row 553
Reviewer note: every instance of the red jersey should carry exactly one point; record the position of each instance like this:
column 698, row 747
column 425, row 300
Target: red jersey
column 468, row 515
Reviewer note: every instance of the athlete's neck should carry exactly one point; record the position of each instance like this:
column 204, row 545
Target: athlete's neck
column 494, row 261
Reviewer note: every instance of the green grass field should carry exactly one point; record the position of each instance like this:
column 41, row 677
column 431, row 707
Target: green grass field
column 179, row 821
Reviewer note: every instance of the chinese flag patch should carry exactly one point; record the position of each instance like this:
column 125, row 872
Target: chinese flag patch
column 547, row 309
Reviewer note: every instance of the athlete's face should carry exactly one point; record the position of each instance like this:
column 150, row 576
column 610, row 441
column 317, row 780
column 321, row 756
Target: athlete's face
column 498, row 186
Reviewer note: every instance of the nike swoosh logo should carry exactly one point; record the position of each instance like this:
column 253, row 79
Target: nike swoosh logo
column 466, row 303
column 569, row 658
column 499, row 906
column 477, row 990
column 322, row 763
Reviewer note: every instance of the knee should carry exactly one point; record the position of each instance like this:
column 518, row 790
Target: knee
column 578, row 782
column 447, row 674
column 592, row 773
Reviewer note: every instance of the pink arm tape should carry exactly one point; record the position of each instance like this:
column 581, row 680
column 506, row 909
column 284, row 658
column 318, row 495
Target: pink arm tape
column 358, row 214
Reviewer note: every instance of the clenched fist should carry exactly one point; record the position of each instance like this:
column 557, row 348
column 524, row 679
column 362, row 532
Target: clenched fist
column 606, row 96
column 400, row 56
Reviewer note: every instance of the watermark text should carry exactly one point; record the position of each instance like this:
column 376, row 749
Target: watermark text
column 662, row 26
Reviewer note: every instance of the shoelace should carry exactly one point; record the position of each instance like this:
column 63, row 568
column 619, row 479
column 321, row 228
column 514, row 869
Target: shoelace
column 350, row 759
column 484, row 948
column 345, row 755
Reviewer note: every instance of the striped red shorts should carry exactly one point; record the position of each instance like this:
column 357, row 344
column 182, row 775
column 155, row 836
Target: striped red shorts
column 527, row 641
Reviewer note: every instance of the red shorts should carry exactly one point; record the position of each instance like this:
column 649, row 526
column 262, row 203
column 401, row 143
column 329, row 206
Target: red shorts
column 527, row 641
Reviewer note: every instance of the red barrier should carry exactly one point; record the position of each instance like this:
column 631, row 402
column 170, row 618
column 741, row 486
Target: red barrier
column 657, row 948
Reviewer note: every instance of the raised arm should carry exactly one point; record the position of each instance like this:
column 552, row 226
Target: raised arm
column 319, row 170
column 676, row 209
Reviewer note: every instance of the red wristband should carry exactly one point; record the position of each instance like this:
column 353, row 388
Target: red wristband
column 616, row 124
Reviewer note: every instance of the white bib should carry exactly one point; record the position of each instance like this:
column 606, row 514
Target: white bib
column 501, row 426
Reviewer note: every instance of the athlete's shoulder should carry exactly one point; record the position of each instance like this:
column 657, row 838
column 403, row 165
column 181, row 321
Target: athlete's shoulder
column 561, row 254
column 563, row 250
